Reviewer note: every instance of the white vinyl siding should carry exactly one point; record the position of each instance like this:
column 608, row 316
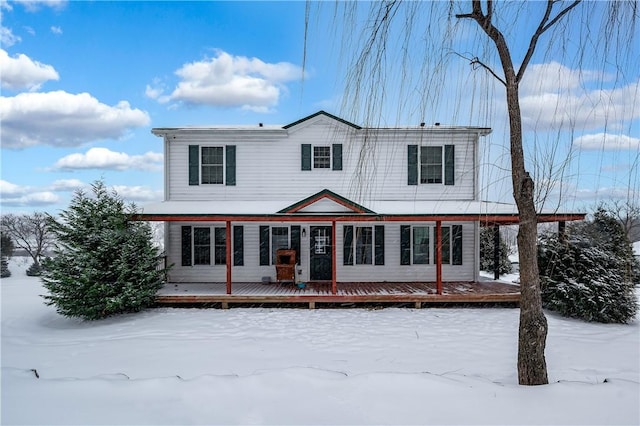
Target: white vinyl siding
column 268, row 162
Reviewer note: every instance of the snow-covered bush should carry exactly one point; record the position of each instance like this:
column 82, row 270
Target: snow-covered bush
column 4, row 267
column 589, row 274
column 35, row 270
column 6, row 251
column 487, row 253
column 103, row 263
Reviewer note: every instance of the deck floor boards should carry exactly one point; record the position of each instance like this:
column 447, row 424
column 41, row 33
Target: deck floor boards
column 320, row 292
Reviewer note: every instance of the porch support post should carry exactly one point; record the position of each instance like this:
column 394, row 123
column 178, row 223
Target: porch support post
column 438, row 257
column 562, row 231
column 334, row 283
column 496, row 251
column 229, row 260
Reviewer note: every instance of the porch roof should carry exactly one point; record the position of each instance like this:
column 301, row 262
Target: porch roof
column 390, row 210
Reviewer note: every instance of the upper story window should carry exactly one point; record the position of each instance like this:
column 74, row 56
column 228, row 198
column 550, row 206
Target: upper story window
column 431, row 164
column 212, row 165
column 321, row 157
column 328, row 157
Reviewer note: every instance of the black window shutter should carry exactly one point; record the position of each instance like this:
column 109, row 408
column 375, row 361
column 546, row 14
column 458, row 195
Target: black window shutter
column 264, row 245
column 238, row 245
column 347, row 245
column 295, row 241
column 306, row 156
column 412, row 164
column 405, row 244
column 456, row 241
column 230, row 152
column 449, row 164
column 186, row 246
column 194, row 165
column 336, row 151
column 379, row 244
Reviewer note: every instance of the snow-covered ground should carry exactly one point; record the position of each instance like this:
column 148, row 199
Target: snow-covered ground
column 299, row 366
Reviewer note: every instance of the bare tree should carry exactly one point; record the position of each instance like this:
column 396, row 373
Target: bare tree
column 385, row 63
column 29, row 232
column 628, row 213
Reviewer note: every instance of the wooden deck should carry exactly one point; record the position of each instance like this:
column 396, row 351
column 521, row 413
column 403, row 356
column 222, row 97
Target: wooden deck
column 320, row 292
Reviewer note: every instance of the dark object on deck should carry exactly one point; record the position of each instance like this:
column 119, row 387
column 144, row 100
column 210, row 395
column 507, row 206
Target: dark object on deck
column 285, row 265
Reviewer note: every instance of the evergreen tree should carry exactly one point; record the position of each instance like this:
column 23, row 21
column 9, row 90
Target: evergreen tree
column 592, row 274
column 103, row 263
column 4, row 267
column 6, row 251
column 487, row 252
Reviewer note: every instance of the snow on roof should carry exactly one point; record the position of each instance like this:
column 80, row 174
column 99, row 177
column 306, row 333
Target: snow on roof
column 271, row 207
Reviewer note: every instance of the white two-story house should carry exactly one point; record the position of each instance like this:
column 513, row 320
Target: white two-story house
column 355, row 204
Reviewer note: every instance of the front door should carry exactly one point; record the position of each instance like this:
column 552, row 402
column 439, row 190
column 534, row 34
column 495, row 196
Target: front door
column 320, row 253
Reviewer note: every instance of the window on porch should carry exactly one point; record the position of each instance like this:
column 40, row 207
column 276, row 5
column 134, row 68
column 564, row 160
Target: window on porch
column 273, row 238
column 366, row 247
column 415, row 247
column 199, row 248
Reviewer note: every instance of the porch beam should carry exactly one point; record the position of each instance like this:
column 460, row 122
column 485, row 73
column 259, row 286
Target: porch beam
column 229, row 260
column 504, row 219
column 439, row 257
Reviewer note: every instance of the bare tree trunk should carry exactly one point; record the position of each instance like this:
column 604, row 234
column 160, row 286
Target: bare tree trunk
column 532, row 336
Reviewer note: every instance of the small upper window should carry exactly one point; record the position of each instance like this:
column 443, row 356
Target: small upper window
column 431, row 164
column 321, row 157
column 212, row 165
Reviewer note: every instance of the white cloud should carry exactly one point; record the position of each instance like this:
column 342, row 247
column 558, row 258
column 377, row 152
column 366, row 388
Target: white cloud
column 22, row 72
column 232, row 81
column 103, row 158
column 553, row 96
column 138, row 193
column 606, row 142
column 56, row 30
column 35, row 5
column 64, row 119
column 12, row 195
column 557, row 78
column 7, row 38
column 156, row 91
column 66, row 185
column 22, row 196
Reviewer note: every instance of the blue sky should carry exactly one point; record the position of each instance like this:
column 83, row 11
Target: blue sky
column 84, row 82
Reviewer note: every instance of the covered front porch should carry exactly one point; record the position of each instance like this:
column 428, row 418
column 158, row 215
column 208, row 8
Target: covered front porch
column 314, row 293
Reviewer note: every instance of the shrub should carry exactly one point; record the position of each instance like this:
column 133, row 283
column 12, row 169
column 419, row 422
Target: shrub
column 587, row 277
column 103, row 263
column 4, row 268
column 487, row 253
column 35, row 270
